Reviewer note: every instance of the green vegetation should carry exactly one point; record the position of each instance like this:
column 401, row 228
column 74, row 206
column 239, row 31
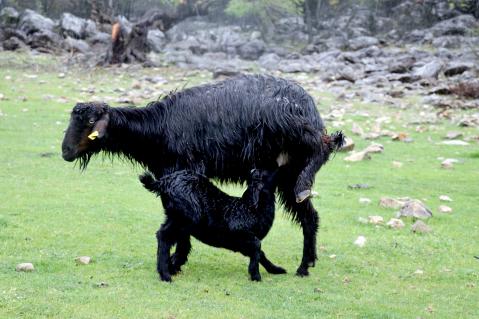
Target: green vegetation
column 50, row 213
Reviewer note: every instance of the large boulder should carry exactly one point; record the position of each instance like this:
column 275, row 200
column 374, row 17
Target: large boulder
column 45, row 39
column 75, row 27
column 269, row 61
column 252, row 50
column 9, row 17
column 156, row 40
column 459, row 25
column 76, row 45
column 430, row 69
column 32, row 22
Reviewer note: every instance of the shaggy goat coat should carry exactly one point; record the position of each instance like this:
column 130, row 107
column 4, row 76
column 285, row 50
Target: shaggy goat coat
column 220, row 130
column 194, row 206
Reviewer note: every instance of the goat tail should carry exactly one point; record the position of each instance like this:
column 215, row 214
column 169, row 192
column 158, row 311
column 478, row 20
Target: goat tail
column 149, row 182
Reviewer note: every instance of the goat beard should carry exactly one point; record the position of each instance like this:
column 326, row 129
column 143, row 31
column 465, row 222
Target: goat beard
column 83, row 160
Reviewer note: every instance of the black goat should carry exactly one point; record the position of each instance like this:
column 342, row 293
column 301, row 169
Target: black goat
column 194, row 206
column 221, row 130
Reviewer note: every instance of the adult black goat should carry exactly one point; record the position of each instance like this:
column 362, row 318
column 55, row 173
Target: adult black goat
column 220, row 130
column 194, row 206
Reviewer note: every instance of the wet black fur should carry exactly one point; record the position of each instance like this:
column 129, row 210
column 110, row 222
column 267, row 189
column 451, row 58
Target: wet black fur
column 194, row 206
column 223, row 131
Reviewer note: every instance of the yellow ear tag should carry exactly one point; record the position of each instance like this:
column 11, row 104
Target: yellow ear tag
column 93, row 135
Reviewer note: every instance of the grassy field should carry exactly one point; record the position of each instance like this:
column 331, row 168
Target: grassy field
column 50, row 213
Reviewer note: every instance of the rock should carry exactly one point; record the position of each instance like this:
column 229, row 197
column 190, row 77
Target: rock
column 31, row 22
column 445, row 198
column 362, row 42
column 470, row 120
column 269, row 61
column 364, row 200
column 156, row 40
column 452, row 135
column 363, row 220
column 357, row 157
column 359, row 186
column 395, row 223
column 9, row 17
column 75, row 27
column 420, row 227
column 415, row 209
column 75, row 45
column 429, row 70
column 83, row 260
column 360, row 241
column 448, row 163
column 356, row 129
column 26, row 267
column 100, row 38
column 454, row 142
column 456, row 26
column 375, row 220
column 448, row 42
column 456, row 68
column 388, row 202
column 45, row 39
column 13, row 44
column 374, row 148
column 419, row 272
column 252, row 50
column 348, row 145
column 445, row 209
column 397, row 164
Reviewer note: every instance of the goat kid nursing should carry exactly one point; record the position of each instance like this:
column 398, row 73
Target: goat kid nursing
column 194, row 206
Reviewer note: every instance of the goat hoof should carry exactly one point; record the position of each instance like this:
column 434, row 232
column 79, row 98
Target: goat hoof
column 302, row 272
column 302, row 196
column 277, row 271
column 256, row 277
column 165, row 278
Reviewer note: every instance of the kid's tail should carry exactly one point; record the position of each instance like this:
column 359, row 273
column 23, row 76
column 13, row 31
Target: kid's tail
column 149, row 182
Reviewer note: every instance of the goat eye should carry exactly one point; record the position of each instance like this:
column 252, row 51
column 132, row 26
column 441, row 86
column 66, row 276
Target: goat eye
column 91, row 121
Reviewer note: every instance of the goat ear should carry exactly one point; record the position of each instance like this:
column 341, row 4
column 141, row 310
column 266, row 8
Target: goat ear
column 99, row 129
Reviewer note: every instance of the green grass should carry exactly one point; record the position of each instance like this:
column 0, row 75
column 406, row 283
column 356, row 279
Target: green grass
column 50, row 213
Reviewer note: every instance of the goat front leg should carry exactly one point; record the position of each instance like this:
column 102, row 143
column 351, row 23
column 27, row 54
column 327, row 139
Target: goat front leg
column 166, row 239
column 250, row 246
column 180, row 257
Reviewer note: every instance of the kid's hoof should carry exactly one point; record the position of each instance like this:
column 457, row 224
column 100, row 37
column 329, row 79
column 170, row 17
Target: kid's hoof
column 302, row 272
column 300, row 197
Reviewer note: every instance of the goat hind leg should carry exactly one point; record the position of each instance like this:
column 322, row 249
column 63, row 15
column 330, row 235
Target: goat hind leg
column 166, row 239
column 269, row 266
column 180, row 256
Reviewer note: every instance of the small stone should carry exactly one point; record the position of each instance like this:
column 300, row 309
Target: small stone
column 420, row 227
column 363, row 220
column 374, row 148
column 415, row 209
column 348, row 145
column 453, row 135
column 26, row 267
column 359, row 186
column 399, row 136
column 395, row 223
column 2, row 97
column 445, row 209
column 102, row 284
column 61, row 75
column 332, row 256
column 397, row 164
column 318, row 290
column 357, row 157
column 360, row 241
column 364, row 200
column 388, row 202
column 445, row 198
column 375, row 220
column 419, row 272
column 136, row 85
column 356, row 129
column 454, row 142
column 448, row 163
column 83, row 260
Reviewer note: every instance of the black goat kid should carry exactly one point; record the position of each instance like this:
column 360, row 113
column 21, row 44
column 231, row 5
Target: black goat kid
column 194, row 206
column 220, row 130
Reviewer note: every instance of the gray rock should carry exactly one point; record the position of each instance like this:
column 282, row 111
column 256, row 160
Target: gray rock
column 269, row 61
column 45, row 39
column 156, row 40
column 420, row 227
column 449, row 42
column 32, row 22
column 459, row 25
column 100, row 38
column 76, row 45
column 25, row 267
column 456, row 68
column 415, row 209
column 252, row 50
column 9, row 17
column 429, row 70
column 72, row 26
column 362, row 42
column 13, row 44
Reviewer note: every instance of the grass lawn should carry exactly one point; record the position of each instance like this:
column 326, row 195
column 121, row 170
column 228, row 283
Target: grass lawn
column 51, row 213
